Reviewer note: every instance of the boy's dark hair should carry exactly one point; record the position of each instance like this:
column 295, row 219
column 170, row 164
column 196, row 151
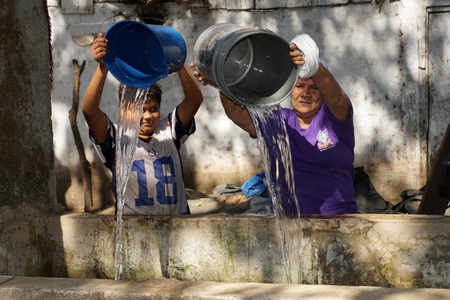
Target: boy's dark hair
column 153, row 92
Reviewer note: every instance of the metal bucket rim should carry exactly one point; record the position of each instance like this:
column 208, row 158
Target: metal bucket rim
column 219, row 78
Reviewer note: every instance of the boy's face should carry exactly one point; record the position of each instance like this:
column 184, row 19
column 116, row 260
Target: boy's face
column 150, row 118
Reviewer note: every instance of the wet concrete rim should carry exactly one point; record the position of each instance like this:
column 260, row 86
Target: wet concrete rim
column 12, row 288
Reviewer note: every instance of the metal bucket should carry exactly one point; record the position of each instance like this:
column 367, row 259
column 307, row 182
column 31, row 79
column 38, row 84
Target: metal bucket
column 250, row 66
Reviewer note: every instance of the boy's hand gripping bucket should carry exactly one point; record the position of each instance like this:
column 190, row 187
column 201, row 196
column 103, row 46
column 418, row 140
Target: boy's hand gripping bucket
column 250, row 66
column 140, row 54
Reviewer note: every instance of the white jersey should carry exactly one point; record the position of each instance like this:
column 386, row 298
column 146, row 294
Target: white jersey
column 155, row 184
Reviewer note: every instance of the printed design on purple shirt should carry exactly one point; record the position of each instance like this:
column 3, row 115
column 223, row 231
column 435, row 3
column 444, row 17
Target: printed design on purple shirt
column 323, row 140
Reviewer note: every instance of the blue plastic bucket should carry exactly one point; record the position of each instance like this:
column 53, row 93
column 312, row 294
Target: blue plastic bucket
column 250, row 66
column 140, row 54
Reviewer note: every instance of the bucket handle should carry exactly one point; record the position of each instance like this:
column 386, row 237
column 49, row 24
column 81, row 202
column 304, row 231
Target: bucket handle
column 120, row 17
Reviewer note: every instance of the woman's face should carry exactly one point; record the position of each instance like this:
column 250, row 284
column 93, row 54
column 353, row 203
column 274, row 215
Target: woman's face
column 306, row 99
column 150, row 118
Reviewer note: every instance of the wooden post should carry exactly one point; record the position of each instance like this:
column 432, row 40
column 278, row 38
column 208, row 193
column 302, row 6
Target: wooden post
column 436, row 196
column 85, row 165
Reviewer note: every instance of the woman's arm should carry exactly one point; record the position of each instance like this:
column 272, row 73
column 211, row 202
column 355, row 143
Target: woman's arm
column 332, row 93
column 239, row 114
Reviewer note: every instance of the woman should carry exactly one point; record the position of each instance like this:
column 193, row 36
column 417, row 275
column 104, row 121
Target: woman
column 320, row 130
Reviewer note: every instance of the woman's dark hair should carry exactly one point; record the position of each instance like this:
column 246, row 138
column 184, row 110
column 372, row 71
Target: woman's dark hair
column 153, row 92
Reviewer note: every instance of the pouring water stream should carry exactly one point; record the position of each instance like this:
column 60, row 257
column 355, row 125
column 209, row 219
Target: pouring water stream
column 274, row 147
column 127, row 136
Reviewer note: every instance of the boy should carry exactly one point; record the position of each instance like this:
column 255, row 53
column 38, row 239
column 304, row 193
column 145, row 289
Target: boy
column 156, row 182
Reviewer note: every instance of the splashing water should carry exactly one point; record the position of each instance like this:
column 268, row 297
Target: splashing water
column 127, row 136
column 277, row 163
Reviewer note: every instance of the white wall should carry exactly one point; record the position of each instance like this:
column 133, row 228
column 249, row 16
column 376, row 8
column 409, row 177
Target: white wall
column 375, row 52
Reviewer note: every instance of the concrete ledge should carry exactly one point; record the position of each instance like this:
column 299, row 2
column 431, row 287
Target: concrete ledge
column 37, row 288
column 391, row 251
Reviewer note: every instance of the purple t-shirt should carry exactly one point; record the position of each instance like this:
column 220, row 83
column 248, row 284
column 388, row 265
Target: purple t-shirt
column 322, row 158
